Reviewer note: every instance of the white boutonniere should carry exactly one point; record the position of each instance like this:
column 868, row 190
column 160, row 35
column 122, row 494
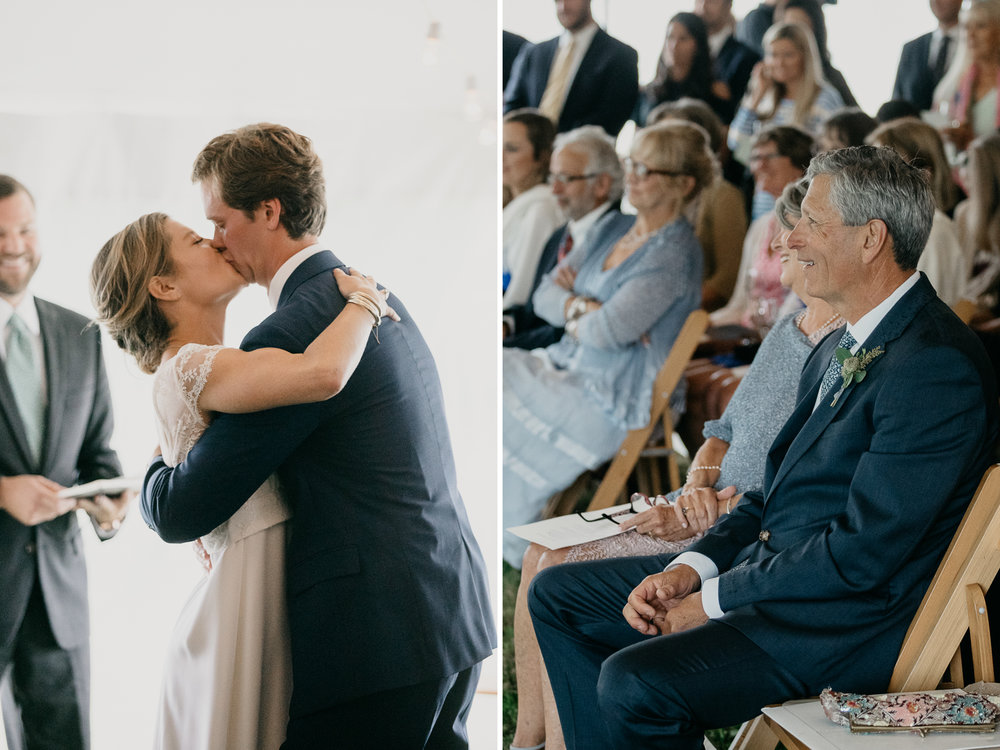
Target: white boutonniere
column 852, row 367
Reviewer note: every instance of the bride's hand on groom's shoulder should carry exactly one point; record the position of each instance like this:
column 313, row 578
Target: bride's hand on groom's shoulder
column 353, row 281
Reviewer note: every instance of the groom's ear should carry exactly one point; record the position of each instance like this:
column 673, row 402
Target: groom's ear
column 160, row 287
column 271, row 212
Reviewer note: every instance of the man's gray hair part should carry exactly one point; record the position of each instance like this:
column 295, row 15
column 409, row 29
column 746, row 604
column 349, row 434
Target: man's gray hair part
column 874, row 182
column 601, row 155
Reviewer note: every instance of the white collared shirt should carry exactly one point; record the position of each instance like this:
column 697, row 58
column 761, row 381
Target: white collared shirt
column 937, row 37
column 286, row 270
column 578, row 228
column 703, row 565
column 718, row 39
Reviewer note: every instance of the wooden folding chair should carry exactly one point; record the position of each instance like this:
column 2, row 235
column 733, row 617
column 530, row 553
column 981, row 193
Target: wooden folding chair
column 953, row 605
column 612, row 488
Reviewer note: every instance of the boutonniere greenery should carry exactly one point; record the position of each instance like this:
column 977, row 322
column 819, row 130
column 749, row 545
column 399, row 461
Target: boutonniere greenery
column 853, row 367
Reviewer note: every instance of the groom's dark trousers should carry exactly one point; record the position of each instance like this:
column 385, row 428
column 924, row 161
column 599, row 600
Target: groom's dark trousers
column 386, row 585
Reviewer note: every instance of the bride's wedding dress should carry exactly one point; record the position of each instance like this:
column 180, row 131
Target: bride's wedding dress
column 227, row 678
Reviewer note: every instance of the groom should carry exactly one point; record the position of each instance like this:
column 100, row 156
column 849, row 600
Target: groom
column 387, row 593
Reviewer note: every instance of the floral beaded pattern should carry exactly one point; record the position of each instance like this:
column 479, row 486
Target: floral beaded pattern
column 909, row 710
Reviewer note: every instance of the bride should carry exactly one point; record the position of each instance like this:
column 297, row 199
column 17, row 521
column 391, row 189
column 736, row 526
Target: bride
column 162, row 292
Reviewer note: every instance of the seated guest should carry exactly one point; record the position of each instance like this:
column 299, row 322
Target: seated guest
column 845, row 127
column 977, row 220
column 780, row 156
column 532, row 213
column 622, row 298
column 977, row 107
column 813, row 581
column 586, row 178
column 581, row 77
column 924, row 60
column 732, row 457
column 720, row 222
column 787, row 88
column 684, row 68
column 732, row 61
column 809, row 13
column 943, row 261
column 894, row 109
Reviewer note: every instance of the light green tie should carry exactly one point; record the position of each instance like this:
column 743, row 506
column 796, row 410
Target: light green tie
column 25, row 379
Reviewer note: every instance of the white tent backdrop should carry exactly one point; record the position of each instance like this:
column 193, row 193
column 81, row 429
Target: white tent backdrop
column 102, row 111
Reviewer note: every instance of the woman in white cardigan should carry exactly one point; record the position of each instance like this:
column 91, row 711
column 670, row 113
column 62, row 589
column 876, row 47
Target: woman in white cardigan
column 532, row 214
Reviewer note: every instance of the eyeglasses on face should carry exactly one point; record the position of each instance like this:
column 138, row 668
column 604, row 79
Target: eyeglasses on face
column 759, row 158
column 641, row 171
column 566, row 179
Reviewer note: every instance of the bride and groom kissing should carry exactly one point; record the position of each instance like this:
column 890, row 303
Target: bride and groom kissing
column 348, row 603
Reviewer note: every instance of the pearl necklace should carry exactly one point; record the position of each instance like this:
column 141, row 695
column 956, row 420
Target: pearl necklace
column 820, row 332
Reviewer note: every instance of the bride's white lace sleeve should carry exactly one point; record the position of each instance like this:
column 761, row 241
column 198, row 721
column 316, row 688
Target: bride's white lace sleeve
column 176, row 392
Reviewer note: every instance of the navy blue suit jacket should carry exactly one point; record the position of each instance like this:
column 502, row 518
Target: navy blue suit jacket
column 76, row 448
column 733, row 66
column 860, row 500
column 531, row 331
column 386, row 585
column 914, row 79
column 603, row 91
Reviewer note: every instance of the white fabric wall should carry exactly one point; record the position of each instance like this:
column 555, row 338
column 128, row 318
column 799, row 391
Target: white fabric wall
column 102, row 110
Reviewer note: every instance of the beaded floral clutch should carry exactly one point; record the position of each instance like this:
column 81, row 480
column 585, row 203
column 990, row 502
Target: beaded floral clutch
column 953, row 711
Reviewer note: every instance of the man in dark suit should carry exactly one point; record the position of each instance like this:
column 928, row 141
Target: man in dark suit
column 512, row 44
column 812, row 582
column 587, row 179
column 924, row 60
column 55, row 428
column 387, row 592
column 582, row 77
column 732, row 61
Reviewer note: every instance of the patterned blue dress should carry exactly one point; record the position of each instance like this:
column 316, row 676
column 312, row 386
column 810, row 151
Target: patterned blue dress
column 567, row 408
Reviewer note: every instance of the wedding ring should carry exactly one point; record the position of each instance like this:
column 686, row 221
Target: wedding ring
column 685, row 510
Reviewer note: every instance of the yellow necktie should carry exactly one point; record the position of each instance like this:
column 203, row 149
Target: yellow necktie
column 554, row 95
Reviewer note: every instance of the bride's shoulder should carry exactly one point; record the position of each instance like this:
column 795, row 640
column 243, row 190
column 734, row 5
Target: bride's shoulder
column 192, row 361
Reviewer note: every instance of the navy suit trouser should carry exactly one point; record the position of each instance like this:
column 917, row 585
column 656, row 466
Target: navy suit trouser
column 617, row 688
column 430, row 715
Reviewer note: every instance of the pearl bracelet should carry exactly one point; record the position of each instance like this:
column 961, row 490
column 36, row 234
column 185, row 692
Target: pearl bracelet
column 693, row 469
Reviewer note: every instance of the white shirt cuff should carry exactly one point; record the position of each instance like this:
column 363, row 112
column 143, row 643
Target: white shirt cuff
column 702, row 565
column 710, row 598
column 709, row 574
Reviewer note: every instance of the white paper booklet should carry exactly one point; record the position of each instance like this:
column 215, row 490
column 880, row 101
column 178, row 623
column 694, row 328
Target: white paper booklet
column 109, row 487
column 577, row 528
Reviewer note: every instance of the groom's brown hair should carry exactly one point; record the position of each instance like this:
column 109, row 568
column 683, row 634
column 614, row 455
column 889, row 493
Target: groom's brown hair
column 264, row 161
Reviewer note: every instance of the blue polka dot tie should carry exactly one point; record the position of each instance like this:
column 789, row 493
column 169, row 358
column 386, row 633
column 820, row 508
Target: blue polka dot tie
column 832, row 376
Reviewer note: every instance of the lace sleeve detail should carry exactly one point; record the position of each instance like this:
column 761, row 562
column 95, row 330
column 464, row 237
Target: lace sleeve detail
column 193, row 365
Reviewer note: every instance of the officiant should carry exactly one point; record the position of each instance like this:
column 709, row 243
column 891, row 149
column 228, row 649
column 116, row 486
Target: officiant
column 55, row 428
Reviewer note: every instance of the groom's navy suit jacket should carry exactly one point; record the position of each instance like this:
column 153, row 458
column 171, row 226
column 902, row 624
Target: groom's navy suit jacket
column 860, row 500
column 386, row 584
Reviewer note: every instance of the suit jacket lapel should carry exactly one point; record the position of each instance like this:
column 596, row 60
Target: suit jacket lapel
column 805, row 426
column 57, row 367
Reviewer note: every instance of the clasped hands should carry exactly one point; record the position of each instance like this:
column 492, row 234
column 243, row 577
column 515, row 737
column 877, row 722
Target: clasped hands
column 668, row 602
column 696, row 510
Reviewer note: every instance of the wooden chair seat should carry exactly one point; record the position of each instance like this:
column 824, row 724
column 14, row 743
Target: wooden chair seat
column 953, row 605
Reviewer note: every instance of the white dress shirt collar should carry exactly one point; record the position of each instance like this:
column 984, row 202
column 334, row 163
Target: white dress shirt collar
column 578, row 228
column 718, row 39
column 286, row 270
column 28, row 312
column 868, row 322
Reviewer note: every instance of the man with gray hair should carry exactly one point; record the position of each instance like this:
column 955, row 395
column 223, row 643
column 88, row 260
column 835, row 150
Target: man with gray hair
column 587, row 180
column 813, row 581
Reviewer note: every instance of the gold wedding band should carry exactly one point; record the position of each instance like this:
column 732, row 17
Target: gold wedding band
column 685, row 510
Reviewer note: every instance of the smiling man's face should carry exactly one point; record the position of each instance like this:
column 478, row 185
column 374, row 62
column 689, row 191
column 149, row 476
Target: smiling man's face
column 19, row 255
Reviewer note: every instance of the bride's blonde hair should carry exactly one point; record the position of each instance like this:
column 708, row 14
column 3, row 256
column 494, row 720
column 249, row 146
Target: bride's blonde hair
column 119, row 288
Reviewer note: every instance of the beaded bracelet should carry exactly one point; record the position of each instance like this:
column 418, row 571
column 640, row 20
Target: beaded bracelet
column 693, row 469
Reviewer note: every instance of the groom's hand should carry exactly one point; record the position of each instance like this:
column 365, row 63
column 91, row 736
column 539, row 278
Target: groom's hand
column 649, row 603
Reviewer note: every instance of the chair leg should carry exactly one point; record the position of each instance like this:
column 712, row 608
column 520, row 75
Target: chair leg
column 755, row 735
column 979, row 633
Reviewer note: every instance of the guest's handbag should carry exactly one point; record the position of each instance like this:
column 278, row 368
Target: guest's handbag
column 938, row 711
